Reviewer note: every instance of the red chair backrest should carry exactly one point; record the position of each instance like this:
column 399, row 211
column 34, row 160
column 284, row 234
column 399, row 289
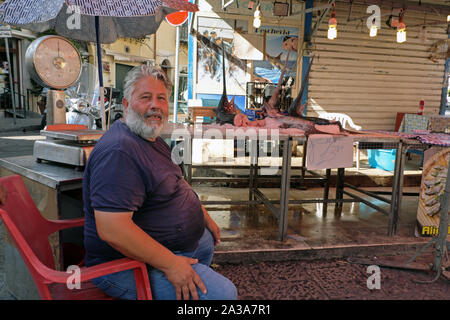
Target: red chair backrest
column 26, row 217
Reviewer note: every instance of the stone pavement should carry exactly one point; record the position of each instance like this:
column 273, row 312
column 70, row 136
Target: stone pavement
column 32, row 122
column 15, row 140
column 335, row 279
column 4, row 293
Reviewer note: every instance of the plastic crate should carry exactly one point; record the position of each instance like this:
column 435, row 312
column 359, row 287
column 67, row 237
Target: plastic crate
column 382, row 158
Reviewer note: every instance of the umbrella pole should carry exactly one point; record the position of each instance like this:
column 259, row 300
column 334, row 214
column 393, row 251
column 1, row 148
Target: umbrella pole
column 11, row 84
column 100, row 72
column 175, row 94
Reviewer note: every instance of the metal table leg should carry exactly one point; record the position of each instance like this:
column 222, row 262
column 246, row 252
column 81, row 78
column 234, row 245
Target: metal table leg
column 188, row 158
column 302, row 185
column 253, row 144
column 326, row 192
column 339, row 191
column 285, row 186
column 396, row 195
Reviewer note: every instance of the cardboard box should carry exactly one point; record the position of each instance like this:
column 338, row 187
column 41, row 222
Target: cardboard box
column 439, row 123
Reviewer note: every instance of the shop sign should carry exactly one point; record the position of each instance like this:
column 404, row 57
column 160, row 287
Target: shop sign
column 432, row 189
column 177, row 18
column 279, row 40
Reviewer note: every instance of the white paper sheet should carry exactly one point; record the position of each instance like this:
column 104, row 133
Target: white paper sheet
column 326, row 151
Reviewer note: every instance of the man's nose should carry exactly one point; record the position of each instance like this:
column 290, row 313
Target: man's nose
column 157, row 105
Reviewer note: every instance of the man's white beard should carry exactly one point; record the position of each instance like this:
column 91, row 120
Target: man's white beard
column 139, row 126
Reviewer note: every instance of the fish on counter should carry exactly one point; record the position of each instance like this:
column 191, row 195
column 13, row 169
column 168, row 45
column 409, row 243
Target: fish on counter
column 436, row 189
column 294, row 119
column 226, row 110
column 429, row 200
column 228, row 113
column 433, row 187
column 433, row 210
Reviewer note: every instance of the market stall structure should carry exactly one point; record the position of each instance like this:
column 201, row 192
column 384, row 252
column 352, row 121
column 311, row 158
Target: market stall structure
column 371, row 79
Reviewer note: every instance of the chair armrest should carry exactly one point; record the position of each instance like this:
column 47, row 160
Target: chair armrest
column 56, row 225
column 88, row 273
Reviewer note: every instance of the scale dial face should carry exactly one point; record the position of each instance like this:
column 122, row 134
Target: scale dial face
column 57, row 62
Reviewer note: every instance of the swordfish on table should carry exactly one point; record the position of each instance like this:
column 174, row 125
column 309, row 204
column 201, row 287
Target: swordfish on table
column 275, row 119
column 294, row 119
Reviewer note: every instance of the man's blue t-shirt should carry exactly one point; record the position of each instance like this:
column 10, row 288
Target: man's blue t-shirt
column 128, row 173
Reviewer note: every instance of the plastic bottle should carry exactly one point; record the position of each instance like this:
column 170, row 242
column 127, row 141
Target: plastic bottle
column 421, row 107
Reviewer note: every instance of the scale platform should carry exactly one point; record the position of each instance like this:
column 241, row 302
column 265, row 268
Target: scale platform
column 67, row 145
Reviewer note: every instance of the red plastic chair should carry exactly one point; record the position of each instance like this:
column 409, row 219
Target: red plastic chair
column 30, row 231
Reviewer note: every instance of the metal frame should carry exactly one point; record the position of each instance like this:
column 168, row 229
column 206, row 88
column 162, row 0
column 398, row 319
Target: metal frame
column 281, row 213
column 394, row 202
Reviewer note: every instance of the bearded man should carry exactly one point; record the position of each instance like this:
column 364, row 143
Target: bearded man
column 138, row 205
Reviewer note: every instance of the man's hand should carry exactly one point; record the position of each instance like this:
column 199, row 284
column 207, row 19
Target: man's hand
column 184, row 278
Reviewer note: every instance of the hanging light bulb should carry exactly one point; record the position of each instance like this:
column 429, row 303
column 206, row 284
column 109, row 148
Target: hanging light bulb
column 257, row 17
column 401, row 34
column 257, row 22
column 401, row 30
column 373, row 29
column 332, row 25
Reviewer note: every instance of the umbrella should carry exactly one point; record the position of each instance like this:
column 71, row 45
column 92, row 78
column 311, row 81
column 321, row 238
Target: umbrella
column 100, row 21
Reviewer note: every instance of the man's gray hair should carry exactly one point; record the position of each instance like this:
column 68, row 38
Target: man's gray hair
column 141, row 71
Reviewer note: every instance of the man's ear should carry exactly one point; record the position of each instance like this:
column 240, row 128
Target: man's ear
column 125, row 105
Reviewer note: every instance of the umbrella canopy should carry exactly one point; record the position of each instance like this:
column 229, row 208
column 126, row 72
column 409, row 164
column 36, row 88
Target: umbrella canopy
column 75, row 19
column 100, row 21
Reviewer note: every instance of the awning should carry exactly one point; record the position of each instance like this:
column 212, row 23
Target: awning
column 127, row 57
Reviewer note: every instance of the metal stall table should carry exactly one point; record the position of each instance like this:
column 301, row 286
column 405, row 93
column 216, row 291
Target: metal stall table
column 56, row 191
column 255, row 138
column 365, row 141
column 285, row 140
column 439, row 240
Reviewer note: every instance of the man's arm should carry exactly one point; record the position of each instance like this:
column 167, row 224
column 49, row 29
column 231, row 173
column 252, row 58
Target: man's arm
column 119, row 231
column 212, row 226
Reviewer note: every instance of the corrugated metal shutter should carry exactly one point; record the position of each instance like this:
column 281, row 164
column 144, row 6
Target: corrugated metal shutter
column 371, row 79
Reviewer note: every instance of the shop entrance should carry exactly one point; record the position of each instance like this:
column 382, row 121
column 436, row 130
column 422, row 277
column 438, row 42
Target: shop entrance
column 121, row 72
column 5, row 68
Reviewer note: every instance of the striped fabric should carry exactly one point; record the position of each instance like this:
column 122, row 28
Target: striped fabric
column 23, row 12
column 116, row 8
column 128, row 8
column 29, row 11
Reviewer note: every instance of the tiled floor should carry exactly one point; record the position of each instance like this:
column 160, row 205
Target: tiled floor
column 254, row 228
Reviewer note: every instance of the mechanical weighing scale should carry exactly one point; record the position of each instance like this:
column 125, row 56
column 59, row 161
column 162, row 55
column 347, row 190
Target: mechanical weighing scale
column 54, row 62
